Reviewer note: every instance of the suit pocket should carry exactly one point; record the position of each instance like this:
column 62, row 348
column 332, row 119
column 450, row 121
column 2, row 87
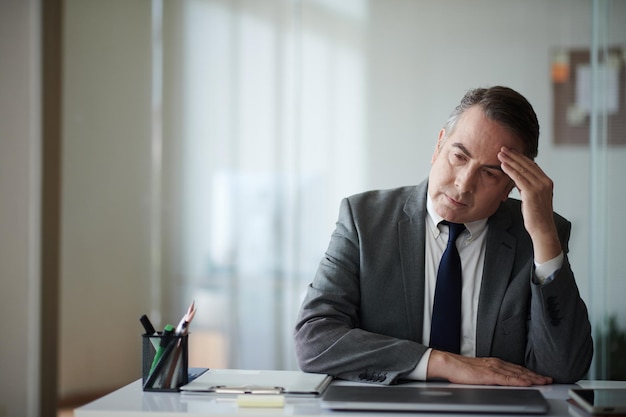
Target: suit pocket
column 510, row 343
column 515, row 325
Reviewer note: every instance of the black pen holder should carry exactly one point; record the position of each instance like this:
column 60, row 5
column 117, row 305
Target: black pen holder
column 164, row 362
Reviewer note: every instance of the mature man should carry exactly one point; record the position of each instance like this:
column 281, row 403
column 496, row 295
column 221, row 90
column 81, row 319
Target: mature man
column 375, row 310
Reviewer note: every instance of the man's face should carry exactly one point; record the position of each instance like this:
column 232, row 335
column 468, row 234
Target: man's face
column 466, row 182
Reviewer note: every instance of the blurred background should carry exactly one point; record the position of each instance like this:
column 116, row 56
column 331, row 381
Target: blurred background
column 156, row 152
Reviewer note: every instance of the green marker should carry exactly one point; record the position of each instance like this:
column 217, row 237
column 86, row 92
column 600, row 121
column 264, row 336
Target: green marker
column 167, row 332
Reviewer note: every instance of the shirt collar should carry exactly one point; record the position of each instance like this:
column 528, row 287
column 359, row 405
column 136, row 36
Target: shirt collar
column 475, row 228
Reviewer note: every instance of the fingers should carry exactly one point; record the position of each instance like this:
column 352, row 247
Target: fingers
column 484, row 371
column 536, row 191
column 505, row 373
column 535, row 187
column 519, row 168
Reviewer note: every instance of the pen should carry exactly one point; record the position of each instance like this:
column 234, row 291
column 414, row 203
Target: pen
column 167, row 332
column 147, row 325
column 181, row 329
column 149, row 328
column 184, row 322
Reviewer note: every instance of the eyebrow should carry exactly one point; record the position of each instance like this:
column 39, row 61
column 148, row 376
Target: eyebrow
column 468, row 153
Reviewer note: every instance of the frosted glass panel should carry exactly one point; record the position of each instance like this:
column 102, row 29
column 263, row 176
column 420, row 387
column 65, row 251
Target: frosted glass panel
column 607, row 197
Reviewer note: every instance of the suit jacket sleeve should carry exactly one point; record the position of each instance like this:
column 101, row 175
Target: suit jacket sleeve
column 347, row 326
column 544, row 328
column 559, row 332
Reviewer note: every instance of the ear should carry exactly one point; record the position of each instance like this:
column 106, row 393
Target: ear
column 440, row 140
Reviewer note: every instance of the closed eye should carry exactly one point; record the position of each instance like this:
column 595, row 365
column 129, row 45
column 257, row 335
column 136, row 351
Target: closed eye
column 460, row 156
column 493, row 172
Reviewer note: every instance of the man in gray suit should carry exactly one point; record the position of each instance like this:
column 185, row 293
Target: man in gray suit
column 367, row 314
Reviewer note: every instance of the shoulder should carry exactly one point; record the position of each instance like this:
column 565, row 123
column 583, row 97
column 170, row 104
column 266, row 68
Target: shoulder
column 385, row 206
column 382, row 197
column 409, row 199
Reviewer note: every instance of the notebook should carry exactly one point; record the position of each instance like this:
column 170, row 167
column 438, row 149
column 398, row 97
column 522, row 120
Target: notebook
column 435, row 399
column 240, row 381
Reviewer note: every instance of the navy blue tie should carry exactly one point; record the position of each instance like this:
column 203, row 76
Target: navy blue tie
column 445, row 330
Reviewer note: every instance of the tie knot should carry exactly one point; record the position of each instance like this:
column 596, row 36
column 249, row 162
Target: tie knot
column 455, row 230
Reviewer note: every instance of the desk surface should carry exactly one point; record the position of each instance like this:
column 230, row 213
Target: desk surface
column 132, row 401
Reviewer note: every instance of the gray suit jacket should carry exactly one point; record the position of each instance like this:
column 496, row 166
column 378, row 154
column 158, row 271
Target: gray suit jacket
column 362, row 315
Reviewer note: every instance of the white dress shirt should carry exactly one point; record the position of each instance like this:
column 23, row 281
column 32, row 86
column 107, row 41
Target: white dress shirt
column 471, row 245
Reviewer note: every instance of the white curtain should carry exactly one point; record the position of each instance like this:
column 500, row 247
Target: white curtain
column 263, row 121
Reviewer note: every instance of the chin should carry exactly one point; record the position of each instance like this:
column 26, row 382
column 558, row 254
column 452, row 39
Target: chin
column 453, row 214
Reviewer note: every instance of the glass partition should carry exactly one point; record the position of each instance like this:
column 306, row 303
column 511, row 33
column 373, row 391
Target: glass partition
column 607, row 155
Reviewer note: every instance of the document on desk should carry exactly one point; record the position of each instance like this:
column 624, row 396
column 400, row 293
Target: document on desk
column 241, row 381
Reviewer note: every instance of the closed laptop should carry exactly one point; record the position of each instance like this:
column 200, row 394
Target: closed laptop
column 435, row 399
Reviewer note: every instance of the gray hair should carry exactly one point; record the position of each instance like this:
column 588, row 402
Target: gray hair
column 505, row 106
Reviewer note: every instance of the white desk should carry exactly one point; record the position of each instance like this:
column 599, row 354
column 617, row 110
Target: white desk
column 131, row 401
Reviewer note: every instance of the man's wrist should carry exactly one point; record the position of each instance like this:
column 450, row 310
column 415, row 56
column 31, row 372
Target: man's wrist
column 546, row 247
column 545, row 271
column 420, row 373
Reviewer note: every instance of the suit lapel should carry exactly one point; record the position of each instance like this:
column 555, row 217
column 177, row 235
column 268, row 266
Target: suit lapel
column 411, row 242
column 499, row 258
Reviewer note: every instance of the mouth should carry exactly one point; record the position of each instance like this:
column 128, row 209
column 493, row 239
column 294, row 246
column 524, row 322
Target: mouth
column 455, row 202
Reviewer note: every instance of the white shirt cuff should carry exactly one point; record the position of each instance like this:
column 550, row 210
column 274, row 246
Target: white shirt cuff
column 421, row 370
column 544, row 272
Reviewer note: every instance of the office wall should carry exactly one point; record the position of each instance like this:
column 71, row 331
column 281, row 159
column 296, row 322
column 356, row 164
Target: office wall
column 421, row 57
column 105, row 244
column 19, row 207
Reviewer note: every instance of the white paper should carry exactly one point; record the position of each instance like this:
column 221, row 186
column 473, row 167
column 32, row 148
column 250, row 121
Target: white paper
column 608, row 98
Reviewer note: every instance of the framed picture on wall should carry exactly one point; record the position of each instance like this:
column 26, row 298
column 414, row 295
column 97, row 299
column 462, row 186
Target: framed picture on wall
column 573, row 95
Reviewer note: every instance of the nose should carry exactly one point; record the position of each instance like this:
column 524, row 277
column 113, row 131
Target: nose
column 465, row 181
